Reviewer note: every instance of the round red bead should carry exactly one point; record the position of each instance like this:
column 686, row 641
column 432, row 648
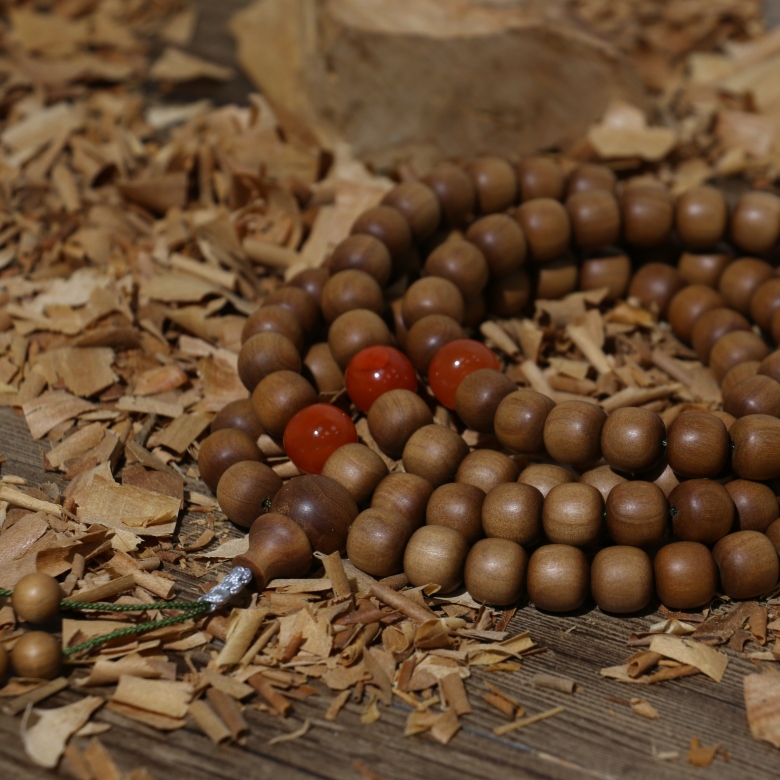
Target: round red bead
column 314, row 433
column 453, row 363
column 374, row 371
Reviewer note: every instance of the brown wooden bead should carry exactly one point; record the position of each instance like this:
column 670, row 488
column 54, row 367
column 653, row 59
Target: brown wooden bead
column 462, row 263
column 557, row 278
column 773, row 534
column 328, row 377
column 312, row 280
column 685, row 575
column 755, row 503
column 436, row 554
column 5, row 664
column 572, row 514
column 756, row 453
column 603, row 478
column 558, row 578
column 304, row 306
column 495, row 183
column 748, row 564
column 495, row 572
column 508, row 297
column 501, row 240
column 263, row 354
column 588, row 177
column 358, row 468
column 238, row 414
column 702, row 268
column 455, row 191
column 540, row 177
column 700, row 217
column 631, row 439
column 513, row 510
column 655, row 284
column 387, row 225
column 688, row 305
column 434, row 452
column 572, row 432
column 394, row 417
column 222, row 449
column 637, row 513
column 36, row 598
column 770, row 365
column 757, row 394
column 485, row 469
column 432, row 295
column 365, row 253
column 765, row 302
column 519, row 420
column 755, row 222
column 727, row 419
column 457, row 505
column 355, row 330
column 419, row 205
column 775, row 327
column 427, row 336
column 37, row 655
column 349, row 290
column 702, row 511
column 648, row 215
column 545, row 476
column 377, row 541
column 479, row 395
column 404, row 493
column 735, row 347
column 546, row 226
column 595, row 218
column 279, row 397
column 740, row 281
column 711, row 326
column 321, row 506
column 243, row 490
column 621, row 579
column 274, row 319
column 697, row 445
column 278, row 547
column 614, row 273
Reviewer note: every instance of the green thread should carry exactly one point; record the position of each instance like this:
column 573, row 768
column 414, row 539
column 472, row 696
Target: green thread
column 664, row 443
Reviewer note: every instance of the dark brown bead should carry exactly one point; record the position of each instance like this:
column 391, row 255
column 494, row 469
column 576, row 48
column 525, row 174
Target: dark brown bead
column 540, row 177
column 501, row 240
column 685, row 575
column 688, row 305
column 365, row 253
column 765, row 302
column 279, row 397
column 394, row 417
column 274, row 319
column 298, row 301
column 377, row 541
column 572, row 514
column 462, row 263
column 621, row 579
column 479, row 395
column 404, row 493
column 756, row 453
column 327, row 375
column 697, row 445
column 595, row 218
column 427, row 336
column 37, row 655
column 700, row 216
column 702, row 268
column 702, row 511
column 711, row 326
column 432, row 295
column 434, row 452
column 614, row 273
column 755, row 222
column 557, row 278
column 588, row 177
column 631, row 439
column 545, row 476
column 572, row 432
column 648, row 215
column 770, row 365
column 558, row 578
column 238, row 414
column 740, row 281
column 455, row 191
column 387, row 225
column 756, row 504
column 263, row 354
column 508, row 297
column 495, row 183
column 735, row 347
column 355, row 330
column 312, row 280
column 485, row 469
column 356, row 467
column 748, row 564
column 495, row 572
column 637, row 513
column 655, row 284
column 519, row 420
column 546, row 226
column 349, row 290
column 243, row 490
column 603, row 478
column 36, row 598
column 419, row 205
column 436, row 554
column 457, row 506
column 513, row 510
column 221, row 450
column 755, row 395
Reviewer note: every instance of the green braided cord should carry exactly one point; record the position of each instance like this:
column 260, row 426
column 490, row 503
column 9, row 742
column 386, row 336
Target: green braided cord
column 103, row 606
column 6, row 592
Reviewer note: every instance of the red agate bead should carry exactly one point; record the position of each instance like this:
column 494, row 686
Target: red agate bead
column 453, row 363
column 374, row 371
column 315, row 433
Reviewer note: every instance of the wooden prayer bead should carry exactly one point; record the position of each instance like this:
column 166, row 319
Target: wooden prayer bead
column 349, row 290
column 434, row 452
column 770, row 365
column 748, row 564
column 546, row 226
column 495, row 572
column 697, row 445
column 637, row 513
column 427, row 336
column 558, row 578
column 387, row 225
column 755, row 503
column 655, row 284
column 495, row 183
column 222, row 449
column 702, row 511
column 631, row 439
column 519, row 420
column 648, row 215
column 321, row 506
column 362, row 252
column 407, row 494
column 756, row 453
column 711, row 326
column 513, row 510
column 508, row 297
column 572, row 514
column 688, row 305
column 457, row 505
column 501, row 240
column 462, row 263
column 773, row 534
column 685, row 575
column 243, row 490
column 755, row 223
column 436, row 554
column 572, row 432
column 621, row 579
column 312, row 280
column 394, row 417
column 727, row 419
column 455, row 191
column 595, row 218
column 274, row 319
column 557, row 278
column 603, row 478
column 377, row 541
column 263, row 354
column 614, row 273
column 540, row 177
column 358, row 468
column 238, row 414
column 740, row 281
column 757, row 394
column 700, row 217
column 479, row 395
column 355, row 330
column 37, row 655
column 327, row 375
column 545, row 476
column 419, row 205
column 588, row 177
column 432, row 295
column 702, row 268
column 765, row 302
column 735, row 375
column 300, row 302
column 735, row 347
column 36, row 598
column 485, row 469
column 280, row 396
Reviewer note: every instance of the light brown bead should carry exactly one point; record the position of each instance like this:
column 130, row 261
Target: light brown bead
column 748, row 564
column 479, row 395
column 685, row 575
column 457, row 506
column 279, row 397
column 312, row 280
column 648, row 215
column 495, row 572
column 436, row 554
column 755, row 503
column 631, row 439
column 621, row 579
column 387, row 225
column 545, row 476
column 502, row 241
column 588, row 177
column 394, row 417
column 557, row 278
column 362, row 253
column 455, row 191
column 614, row 273
column 358, row 468
column 698, row 268
column 756, row 453
column 427, row 336
column 432, row 295
column 655, row 284
column 300, row 302
column 37, row 655
column 274, row 319
column 222, row 449
column 349, row 290
column 243, row 490
column 355, row 330
column 735, row 375
column 572, row 514
column 770, row 365
column 485, row 469
column 495, row 183
column 419, row 205
column 519, row 420
column 558, row 578
column 765, row 302
column 637, row 513
column 711, row 326
column 263, row 354
column 697, row 445
column 462, row 263
column 755, row 222
column 546, row 226
column 513, row 510
column 377, row 541
column 595, row 218
column 735, row 347
column 572, row 432
column 757, row 394
column 328, row 377
column 700, row 217
column 740, row 281
column 603, row 478
column 688, row 305
column 407, row 494
column 36, row 598
column 509, row 296
column 702, row 511
column 434, row 452
column 238, row 414
column 540, row 177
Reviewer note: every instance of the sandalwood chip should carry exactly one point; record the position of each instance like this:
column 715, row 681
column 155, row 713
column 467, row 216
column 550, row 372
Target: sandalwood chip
column 709, row 661
column 762, row 706
column 644, row 708
column 162, row 697
column 701, row 755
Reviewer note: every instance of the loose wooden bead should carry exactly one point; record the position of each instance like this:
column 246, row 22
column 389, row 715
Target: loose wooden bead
column 700, row 216
column 358, row 468
column 508, row 297
column 513, row 510
column 427, row 336
column 648, row 215
column 362, row 252
column 432, row 295
column 748, row 564
column 36, row 598
column 621, row 579
column 588, row 177
column 688, row 305
column 479, row 395
column 457, row 506
column 545, row 476
column 349, row 290
column 614, row 273
column 712, row 326
column 637, row 513
column 702, row 511
column 355, row 330
column 501, row 240
column 765, row 302
column 278, row 547
column 222, row 449
column 263, row 354
column 394, row 417
column 770, row 365
column 755, row 223
column 419, row 205
column 485, row 469
column 685, row 575
column 377, row 541
column 238, row 414
column 557, row 278
column 631, row 439
column 37, row 655
column 243, row 490
column 495, row 182
column 702, row 268
column 462, row 263
column 572, row 514
column 603, row 478
column 495, row 572
column 300, row 302
column 697, row 445
column 740, row 281
column 595, row 218
column 558, row 578
column 756, row 453
column 455, row 191
column 655, row 284
column 327, row 375
column 572, row 432
column 312, row 280
column 407, row 494
column 280, row 396
column 540, row 177
column 735, row 347
column 756, row 504
column 519, row 420
column 757, row 394
column 436, row 554
column 546, row 226
column 434, row 452
column 274, row 319
column 387, row 225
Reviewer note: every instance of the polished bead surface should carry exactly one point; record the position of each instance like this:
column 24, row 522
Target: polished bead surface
column 457, row 505
column 394, row 417
column 348, row 290
column 595, row 218
column 434, row 452
column 453, row 363
column 648, row 215
column 755, row 222
column 700, row 217
column 362, row 252
column 427, row 336
column 588, row 177
column 748, row 564
column 315, row 433
column 740, row 281
column 637, row 513
column 456, row 193
column 655, row 284
column 614, row 273
column 238, row 414
column 572, row 432
column 501, row 240
column 558, row 578
column 36, row 598
column 243, row 490
column 222, row 449
column 702, row 511
column 436, row 554
column 545, row 476
column 540, row 177
column 356, row 467
column 688, row 305
column 736, row 347
column 631, row 439
column 755, row 503
column 485, row 469
column 703, row 268
column 756, row 454
column 757, row 394
column 374, row 371
column 495, row 183
column 387, row 225
column 697, row 445
column 37, row 655
column 495, row 572
column 463, row 264
column 711, row 326
column 419, row 205
column 520, row 418
column 686, row 575
column 479, row 395
column 513, row 510
column 572, row 514
column 547, row 228
column 621, row 579
column 355, row 330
